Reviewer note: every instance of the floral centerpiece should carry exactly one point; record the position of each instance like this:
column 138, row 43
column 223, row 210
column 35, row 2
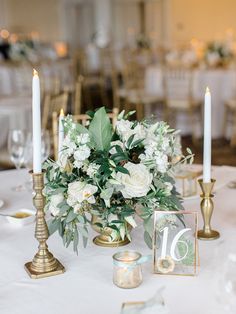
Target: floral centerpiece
column 218, row 54
column 111, row 175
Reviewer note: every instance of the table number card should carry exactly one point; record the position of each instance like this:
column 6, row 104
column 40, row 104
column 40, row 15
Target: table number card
column 175, row 243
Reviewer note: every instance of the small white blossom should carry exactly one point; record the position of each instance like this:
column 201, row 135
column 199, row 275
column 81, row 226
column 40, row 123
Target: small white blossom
column 92, row 169
column 161, row 162
column 68, row 146
column 169, row 188
column 83, row 138
column 54, row 201
column 82, row 153
column 78, row 164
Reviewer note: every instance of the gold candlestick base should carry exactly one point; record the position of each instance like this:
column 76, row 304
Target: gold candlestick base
column 207, row 207
column 44, row 264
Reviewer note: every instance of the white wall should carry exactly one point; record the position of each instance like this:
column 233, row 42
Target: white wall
column 203, row 19
column 41, row 16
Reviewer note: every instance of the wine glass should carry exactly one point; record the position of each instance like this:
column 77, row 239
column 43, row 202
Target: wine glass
column 16, row 143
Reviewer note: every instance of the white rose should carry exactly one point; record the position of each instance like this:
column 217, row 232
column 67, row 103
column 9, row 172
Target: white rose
column 54, row 201
column 113, row 150
column 80, row 191
column 137, row 182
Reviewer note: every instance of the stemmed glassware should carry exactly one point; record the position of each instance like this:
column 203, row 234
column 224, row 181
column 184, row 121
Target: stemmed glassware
column 20, row 148
column 16, row 144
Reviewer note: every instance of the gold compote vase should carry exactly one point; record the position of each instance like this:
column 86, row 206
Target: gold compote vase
column 104, row 238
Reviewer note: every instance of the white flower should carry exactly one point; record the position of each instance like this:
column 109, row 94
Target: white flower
column 92, row 169
column 113, row 149
column 169, row 188
column 82, row 153
column 165, row 143
column 78, row 164
column 123, row 126
column 68, row 146
column 137, row 182
column 161, row 162
column 83, row 138
column 80, row 191
column 54, row 201
column 62, row 160
column 139, row 131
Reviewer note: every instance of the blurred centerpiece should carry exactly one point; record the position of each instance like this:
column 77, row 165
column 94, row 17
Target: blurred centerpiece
column 219, row 54
column 105, row 175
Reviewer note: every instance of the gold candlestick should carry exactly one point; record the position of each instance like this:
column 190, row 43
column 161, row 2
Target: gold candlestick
column 207, row 207
column 44, row 264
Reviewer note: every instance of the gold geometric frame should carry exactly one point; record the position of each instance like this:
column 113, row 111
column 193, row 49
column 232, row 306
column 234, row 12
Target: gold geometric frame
column 154, row 244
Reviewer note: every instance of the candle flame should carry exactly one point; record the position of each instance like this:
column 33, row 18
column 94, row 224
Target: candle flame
column 62, row 112
column 207, row 90
column 35, row 72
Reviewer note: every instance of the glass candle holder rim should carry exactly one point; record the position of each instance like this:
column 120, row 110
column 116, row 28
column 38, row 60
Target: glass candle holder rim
column 122, row 256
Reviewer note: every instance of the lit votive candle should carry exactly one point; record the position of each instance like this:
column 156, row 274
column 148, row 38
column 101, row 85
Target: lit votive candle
column 127, row 272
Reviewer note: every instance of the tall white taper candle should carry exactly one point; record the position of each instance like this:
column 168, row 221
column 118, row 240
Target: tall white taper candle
column 36, row 112
column 60, row 132
column 207, row 138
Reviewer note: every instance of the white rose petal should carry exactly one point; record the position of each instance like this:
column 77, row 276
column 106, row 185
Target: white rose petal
column 137, row 183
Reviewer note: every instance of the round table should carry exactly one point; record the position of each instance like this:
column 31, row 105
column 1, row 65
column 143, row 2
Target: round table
column 86, row 287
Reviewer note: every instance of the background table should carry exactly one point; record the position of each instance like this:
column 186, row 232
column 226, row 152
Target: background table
column 222, row 84
column 87, row 287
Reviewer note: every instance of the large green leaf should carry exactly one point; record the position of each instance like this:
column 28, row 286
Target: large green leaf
column 101, row 130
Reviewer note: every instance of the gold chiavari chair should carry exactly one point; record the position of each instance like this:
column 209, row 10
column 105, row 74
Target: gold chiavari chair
column 178, row 97
column 78, row 95
column 53, row 103
column 81, row 118
column 230, row 120
column 134, row 91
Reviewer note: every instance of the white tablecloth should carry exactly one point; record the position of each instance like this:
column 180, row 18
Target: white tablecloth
column 15, row 113
column 222, row 84
column 87, row 287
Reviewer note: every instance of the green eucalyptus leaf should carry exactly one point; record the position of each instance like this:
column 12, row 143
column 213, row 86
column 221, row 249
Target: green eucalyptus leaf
column 53, row 225
column 122, row 169
column 100, row 130
column 148, row 239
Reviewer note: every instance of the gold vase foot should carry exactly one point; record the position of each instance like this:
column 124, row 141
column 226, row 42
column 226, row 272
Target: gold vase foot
column 60, row 269
column 211, row 235
column 100, row 241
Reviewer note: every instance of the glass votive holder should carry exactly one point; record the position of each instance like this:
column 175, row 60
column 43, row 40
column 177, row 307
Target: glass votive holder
column 186, row 182
column 127, row 272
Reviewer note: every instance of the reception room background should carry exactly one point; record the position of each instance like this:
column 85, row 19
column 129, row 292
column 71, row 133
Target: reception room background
column 166, row 60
